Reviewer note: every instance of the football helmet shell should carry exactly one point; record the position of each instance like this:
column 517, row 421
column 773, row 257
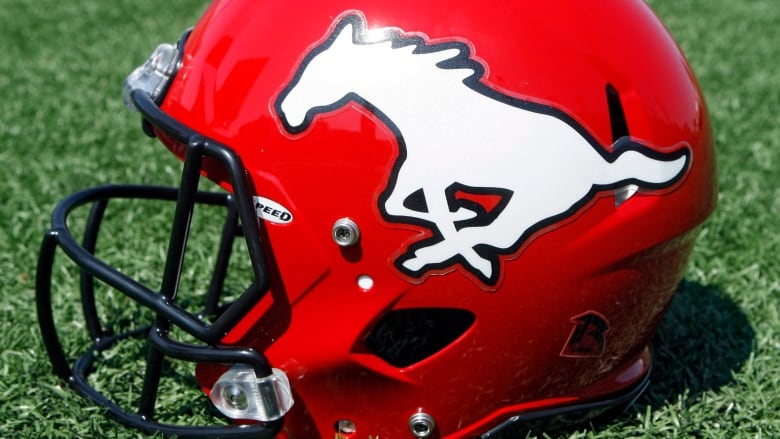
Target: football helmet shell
column 460, row 218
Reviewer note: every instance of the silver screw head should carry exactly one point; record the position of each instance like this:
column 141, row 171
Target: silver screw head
column 345, row 426
column 236, row 397
column 422, row 425
column 345, row 232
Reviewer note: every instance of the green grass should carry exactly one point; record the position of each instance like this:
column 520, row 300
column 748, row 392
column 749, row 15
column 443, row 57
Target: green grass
column 63, row 128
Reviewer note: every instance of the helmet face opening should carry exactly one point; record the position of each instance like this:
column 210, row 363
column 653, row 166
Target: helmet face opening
column 418, row 227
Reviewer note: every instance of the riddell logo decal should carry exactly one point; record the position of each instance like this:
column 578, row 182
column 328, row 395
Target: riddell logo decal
column 270, row 210
column 479, row 170
column 587, row 338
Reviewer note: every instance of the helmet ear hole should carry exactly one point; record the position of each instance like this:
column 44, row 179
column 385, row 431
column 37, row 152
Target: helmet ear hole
column 407, row 336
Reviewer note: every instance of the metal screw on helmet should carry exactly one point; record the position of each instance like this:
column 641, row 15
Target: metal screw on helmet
column 345, row 232
column 345, row 426
column 422, row 425
column 235, row 397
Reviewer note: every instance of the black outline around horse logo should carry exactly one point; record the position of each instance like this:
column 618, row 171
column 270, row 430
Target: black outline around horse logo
column 535, row 163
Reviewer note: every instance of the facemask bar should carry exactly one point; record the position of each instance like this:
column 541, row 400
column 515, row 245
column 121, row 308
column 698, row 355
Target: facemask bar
column 241, row 219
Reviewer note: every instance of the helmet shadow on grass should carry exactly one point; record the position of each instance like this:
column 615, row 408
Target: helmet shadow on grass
column 701, row 341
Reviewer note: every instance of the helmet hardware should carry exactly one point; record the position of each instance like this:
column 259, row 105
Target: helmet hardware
column 154, row 75
column 422, row 425
column 240, row 394
column 345, row 232
column 235, row 397
column 345, row 426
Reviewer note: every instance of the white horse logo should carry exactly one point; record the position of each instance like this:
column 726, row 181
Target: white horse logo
column 459, row 140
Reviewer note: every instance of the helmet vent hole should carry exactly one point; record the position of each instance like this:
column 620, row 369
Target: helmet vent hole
column 406, row 336
column 617, row 117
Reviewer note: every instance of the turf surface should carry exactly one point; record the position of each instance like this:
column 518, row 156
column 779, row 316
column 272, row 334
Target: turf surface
column 63, row 128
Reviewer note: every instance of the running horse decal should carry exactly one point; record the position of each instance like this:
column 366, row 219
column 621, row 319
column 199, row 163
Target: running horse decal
column 460, row 140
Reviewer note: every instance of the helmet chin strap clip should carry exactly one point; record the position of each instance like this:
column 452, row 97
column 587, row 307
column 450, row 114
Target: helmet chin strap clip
column 240, row 394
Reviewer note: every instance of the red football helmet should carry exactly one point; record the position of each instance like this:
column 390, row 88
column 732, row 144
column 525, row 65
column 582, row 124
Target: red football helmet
column 460, row 218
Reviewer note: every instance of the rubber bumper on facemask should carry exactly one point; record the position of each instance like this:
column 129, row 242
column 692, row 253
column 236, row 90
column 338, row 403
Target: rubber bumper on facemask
column 241, row 219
